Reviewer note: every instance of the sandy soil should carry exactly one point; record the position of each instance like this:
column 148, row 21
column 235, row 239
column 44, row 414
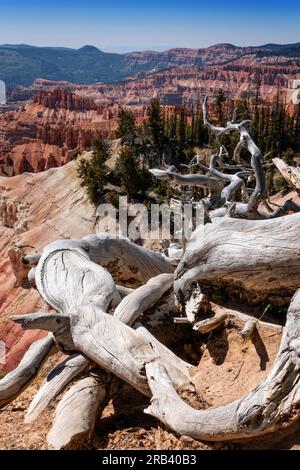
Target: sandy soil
column 226, row 367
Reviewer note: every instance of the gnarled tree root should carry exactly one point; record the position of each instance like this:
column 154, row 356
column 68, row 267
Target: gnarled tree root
column 270, row 406
column 259, row 258
column 16, row 381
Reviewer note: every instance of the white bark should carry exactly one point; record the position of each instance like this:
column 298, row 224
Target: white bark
column 76, row 414
column 249, row 329
column 291, row 174
column 261, row 258
column 192, row 179
column 16, row 381
column 246, row 142
column 235, row 181
column 214, row 185
column 209, row 324
column 144, row 297
column 55, row 382
column 82, row 280
column 105, row 340
column 125, row 260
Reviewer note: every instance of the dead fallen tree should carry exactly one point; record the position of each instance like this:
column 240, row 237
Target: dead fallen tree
column 82, row 292
column 127, row 353
column 291, row 174
column 272, row 405
column 229, row 193
column 259, row 258
column 97, row 322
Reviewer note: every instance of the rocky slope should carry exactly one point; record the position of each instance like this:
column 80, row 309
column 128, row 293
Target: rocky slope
column 62, row 117
column 45, row 132
column 34, row 210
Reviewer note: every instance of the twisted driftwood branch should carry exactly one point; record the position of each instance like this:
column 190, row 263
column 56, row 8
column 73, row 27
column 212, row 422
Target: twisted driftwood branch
column 260, row 258
column 214, row 185
column 16, row 381
column 272, row 405
column 291, row 174
column 140, row 300
column 55, row 382
column 260, row 193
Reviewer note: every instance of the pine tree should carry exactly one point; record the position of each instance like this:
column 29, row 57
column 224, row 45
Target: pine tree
column 155, row 127
column 129, row 173
column 93, row 172
column 126, row 127
column 241, row 110
column 219, row 102
column 181, row 131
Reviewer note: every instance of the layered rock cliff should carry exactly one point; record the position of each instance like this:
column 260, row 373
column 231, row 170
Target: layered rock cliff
column 62, row 117
column 48, row 130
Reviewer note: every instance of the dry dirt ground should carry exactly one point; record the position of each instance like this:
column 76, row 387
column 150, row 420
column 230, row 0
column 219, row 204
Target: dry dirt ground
column 226, row 367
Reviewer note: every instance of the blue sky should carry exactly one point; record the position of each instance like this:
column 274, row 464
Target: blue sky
column 115, row 25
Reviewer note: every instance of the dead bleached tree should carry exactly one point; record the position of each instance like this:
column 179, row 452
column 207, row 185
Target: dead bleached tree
column 97, row 322
column 258, row 258
column 290, row 173
column 224, row 186
column 82, row 293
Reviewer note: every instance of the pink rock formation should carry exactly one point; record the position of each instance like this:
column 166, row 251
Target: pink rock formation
column 63, row 117
column 35, row 209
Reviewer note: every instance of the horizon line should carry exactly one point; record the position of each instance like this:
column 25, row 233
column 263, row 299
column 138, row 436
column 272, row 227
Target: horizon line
column 162, row 48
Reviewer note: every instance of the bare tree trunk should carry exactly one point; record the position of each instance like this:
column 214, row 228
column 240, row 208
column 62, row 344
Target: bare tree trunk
column 257, row 259
column 76, row 414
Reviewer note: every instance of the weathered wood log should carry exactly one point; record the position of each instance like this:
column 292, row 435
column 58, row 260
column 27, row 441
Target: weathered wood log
column 76, row 414
column 256, row 259
column 126, row 261
column 209, row 324
column 291, row 174
column 214, row 185
column 144, row 297
column 108, row 342
column 272, row 405
column 55, row 382
column 82, row 280
column 20, row 378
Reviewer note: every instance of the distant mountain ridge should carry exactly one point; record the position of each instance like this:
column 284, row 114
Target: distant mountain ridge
column 21, row 64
